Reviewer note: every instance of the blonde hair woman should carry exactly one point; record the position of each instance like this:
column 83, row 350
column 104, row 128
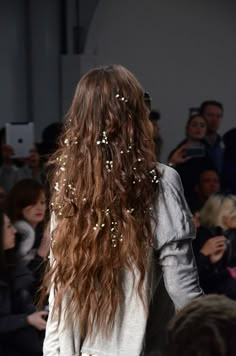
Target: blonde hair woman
column 214, row 249
column 219, row 210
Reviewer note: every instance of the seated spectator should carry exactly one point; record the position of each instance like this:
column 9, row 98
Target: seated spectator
column 208, row 183
column 26, row 207
column 9, row 173
column 205, row 327
column 229, row 165
column 189, row 158
column 33, row 167
column 213, row 248
column 20, row 323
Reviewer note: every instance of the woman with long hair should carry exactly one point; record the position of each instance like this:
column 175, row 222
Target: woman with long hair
column 26, row 207
column 112, row 205
column 21, row 325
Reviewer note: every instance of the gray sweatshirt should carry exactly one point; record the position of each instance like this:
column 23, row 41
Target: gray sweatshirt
column 173, row 241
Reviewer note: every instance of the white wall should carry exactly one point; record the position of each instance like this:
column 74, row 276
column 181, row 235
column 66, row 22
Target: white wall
column 45, row 63
column 30, row 63
column 183, row 52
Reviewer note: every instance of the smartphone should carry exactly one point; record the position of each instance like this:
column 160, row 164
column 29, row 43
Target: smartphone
column 197, row 151
column 193, row 111
column 20, row 136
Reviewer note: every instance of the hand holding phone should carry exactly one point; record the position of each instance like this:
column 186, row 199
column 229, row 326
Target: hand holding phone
column 195, row 151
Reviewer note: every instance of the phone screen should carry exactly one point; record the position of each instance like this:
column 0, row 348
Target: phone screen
column 195, row 152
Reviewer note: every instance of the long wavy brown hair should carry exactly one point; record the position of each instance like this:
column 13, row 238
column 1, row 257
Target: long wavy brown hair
column 104, row 185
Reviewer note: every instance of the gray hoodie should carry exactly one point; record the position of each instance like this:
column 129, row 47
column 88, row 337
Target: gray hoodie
column 173, row 241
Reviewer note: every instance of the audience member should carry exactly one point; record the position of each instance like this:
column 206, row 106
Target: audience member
column 19, row 320
column 206, row 327
column 9, row 173
column 207, row 184
column 33, row 167
column 229, row 166
column 212, row 248
column 213, row 112
column 49, row 140
column 26, row 206
column 190, row 157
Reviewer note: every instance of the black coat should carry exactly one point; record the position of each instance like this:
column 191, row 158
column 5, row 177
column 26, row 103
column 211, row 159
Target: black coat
column 15, row 299
column 214, row 277
column 190, row 171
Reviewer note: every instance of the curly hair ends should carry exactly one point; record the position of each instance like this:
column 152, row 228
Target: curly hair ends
column 104, row 186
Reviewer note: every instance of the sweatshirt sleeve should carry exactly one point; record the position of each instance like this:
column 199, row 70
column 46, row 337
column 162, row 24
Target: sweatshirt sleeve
column 173, row 240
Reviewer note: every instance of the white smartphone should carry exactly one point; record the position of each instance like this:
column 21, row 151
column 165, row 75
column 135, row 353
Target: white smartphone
column 20, row 136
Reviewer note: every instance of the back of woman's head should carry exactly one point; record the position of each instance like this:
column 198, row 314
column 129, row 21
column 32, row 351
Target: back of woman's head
column 104, row 180
column 205, row 327
column 24, row 193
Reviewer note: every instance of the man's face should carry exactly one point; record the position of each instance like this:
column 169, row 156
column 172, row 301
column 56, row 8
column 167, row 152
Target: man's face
column 209, row 184
column 213, row 115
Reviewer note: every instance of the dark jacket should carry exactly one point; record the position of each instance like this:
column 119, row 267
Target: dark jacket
column 15, row 299
column 190, row 171
column 212, row 276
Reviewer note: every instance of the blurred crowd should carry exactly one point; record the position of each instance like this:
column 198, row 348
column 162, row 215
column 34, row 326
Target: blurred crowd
column 206, row 164
column 24, row 245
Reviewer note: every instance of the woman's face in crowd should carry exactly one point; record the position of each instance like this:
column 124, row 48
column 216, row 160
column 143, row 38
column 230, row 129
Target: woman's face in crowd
column 197, row 128
column 230, row 222
column 35, row 213
column 8, row 234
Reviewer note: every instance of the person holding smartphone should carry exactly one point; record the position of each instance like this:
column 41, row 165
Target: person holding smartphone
column 190, row 157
